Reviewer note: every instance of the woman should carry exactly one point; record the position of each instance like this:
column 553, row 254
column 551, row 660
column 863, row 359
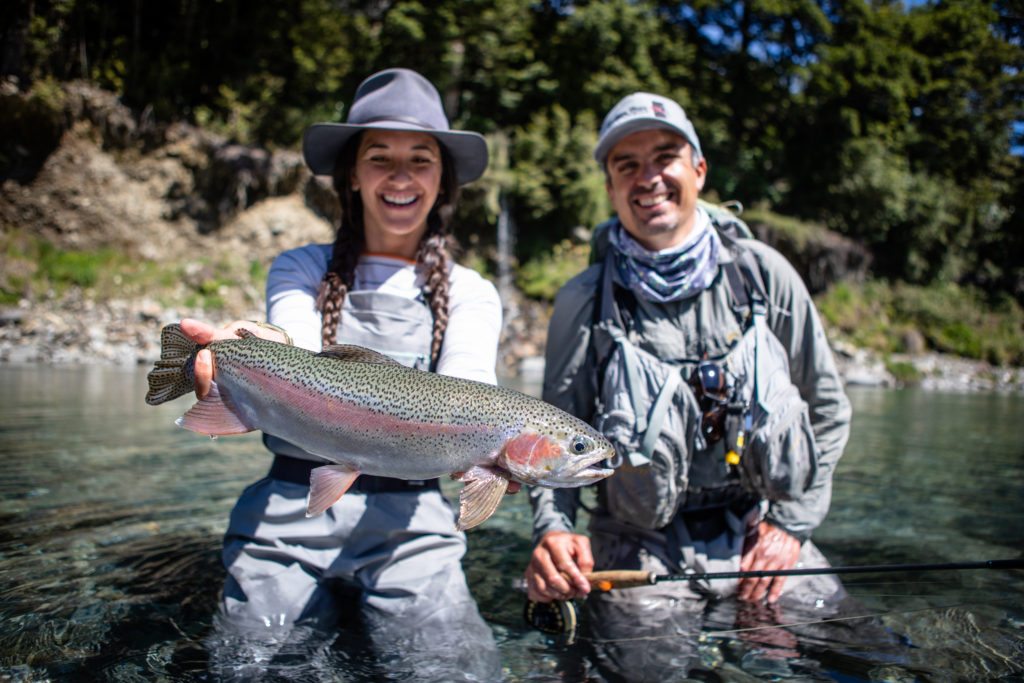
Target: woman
column 388, row 283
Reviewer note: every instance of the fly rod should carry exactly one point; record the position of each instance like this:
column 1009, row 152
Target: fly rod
column 560, row 616
column 629, row 578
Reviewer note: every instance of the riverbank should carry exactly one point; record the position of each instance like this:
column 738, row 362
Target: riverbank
column 126, row 226
column 80, row 331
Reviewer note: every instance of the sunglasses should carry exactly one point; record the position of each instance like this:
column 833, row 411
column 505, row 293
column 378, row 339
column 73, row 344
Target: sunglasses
column 712, row 391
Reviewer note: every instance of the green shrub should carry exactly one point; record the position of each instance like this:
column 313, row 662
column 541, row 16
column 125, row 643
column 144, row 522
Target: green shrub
column 950, row 318
column 33, row 268
column 903, row 372
column 80, row 268
column 542, row 276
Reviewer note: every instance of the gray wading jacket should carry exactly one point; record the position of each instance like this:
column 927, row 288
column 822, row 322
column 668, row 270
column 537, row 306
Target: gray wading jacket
column 685, row 331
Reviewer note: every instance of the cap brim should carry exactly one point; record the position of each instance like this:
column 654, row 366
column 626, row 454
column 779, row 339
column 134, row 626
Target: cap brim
column 323, row 141
column 605, row 144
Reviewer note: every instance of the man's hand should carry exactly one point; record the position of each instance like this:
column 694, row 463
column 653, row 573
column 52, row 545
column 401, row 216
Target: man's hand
column 559, row 554
column 766, row 548
column 204, row 333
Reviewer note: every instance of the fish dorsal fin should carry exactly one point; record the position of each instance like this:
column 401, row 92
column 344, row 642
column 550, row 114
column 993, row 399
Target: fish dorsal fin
column 356, row 354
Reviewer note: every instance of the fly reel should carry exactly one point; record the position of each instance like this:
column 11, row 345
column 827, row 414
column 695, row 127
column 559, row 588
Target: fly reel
column 558, row 617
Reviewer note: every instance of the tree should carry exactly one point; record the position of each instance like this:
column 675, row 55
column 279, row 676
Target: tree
column 558, row 187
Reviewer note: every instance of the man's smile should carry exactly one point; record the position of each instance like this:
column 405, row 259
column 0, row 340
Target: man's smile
column 653, row 200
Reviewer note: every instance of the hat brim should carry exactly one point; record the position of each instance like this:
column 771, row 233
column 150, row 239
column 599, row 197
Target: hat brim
column 605, row 145
column 323, row 141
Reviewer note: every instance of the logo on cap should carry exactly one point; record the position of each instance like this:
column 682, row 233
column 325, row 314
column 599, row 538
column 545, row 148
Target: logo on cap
column 659, row 110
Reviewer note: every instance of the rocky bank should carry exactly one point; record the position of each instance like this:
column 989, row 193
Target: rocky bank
column 105, row 178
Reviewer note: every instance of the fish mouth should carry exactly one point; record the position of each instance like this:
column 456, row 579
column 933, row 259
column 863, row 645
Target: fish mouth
column 594, row 473
column 588, row 468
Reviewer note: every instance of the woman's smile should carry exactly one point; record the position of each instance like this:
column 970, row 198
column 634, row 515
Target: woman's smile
column 399, row 200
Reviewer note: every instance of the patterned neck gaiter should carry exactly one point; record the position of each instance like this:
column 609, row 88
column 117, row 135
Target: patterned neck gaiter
column 672, row 274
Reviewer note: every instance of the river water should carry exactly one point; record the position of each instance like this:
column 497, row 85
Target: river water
column 111, row 518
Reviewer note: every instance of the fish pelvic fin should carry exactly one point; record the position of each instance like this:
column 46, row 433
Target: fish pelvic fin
column 327, row 485
column 480, row 497
column 215, row 414
column 356, row 354
column 171, row 376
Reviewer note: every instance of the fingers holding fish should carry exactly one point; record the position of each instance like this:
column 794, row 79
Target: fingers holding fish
column 203, row 333
column 203, row 373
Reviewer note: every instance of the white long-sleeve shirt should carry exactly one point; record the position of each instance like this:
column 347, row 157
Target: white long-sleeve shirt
column 470, row 343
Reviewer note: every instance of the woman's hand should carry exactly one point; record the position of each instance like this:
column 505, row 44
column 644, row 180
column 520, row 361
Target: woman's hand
column 203, row 333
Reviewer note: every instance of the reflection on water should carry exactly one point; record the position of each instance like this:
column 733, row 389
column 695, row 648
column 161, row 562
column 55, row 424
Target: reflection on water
column 111, row 517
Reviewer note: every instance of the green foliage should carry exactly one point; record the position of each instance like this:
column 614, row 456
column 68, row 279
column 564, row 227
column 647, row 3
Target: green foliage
column 67, row 268
column 904, row 372
column 796, row 231
column 32, row 268
column 951, row 319
column 911, row 113
column 892, row 124
column 557, row 187
column 911, row 221
column 602, row 51
column 542, row 276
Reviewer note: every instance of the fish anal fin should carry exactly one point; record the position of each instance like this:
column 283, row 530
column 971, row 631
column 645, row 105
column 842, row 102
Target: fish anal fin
column 326, row 485
column 480, row 497
column 215, row 415
column 357, row 354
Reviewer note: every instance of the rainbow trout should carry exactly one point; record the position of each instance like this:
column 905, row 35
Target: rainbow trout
column 366, row 413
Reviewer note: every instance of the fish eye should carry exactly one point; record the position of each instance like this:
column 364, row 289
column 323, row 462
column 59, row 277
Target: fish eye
column 580, row 444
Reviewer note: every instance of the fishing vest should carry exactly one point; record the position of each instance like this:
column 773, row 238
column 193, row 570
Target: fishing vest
column 390, row 324
column 651, row 414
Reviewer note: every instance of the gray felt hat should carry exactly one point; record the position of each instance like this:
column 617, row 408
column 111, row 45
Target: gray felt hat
column 396, row 99
column 643, row 111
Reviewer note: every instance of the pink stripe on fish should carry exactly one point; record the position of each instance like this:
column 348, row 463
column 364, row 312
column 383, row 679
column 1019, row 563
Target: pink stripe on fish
column 317, row 404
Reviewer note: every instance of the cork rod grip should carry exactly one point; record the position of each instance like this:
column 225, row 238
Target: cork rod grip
column 619, row 578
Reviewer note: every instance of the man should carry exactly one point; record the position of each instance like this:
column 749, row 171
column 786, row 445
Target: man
column 689, row 502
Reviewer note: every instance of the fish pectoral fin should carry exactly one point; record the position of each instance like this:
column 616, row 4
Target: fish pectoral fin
column 480, row 497
column 327, row 484
column 356, row 354
column 214, row 414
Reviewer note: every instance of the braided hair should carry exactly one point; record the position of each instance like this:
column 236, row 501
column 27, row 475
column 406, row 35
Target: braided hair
column 436, row 248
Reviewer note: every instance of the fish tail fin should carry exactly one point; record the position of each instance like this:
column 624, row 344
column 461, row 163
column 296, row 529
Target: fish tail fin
column 172, row 376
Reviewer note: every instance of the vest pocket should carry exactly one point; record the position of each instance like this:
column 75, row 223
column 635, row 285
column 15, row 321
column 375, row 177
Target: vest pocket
column 650, row 436
column 781, row 458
